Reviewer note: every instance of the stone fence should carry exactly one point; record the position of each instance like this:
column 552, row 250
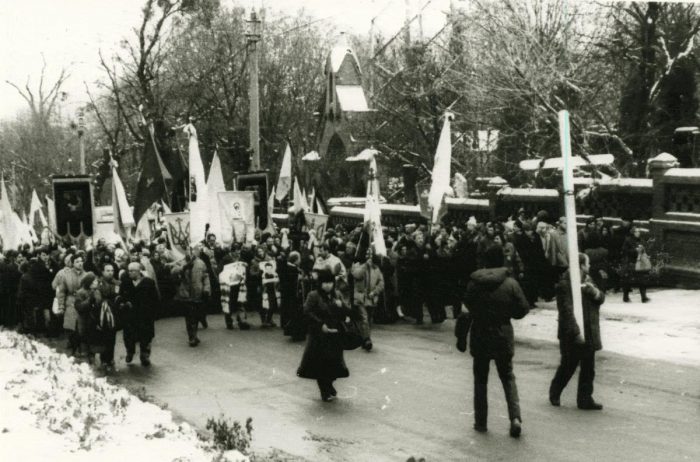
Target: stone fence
column 666, row 206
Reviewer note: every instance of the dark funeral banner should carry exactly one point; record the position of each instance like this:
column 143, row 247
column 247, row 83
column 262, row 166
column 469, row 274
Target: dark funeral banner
column 74, row 206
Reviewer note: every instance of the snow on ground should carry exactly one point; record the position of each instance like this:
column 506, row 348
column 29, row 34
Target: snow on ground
column 52, row 408
column 667, row 328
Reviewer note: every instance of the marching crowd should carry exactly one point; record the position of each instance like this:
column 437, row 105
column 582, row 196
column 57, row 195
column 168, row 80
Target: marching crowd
column 487, row 273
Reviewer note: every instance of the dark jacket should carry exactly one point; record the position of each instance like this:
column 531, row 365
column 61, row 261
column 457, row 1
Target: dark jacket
column 139, row 313
column 34, row 289
column 592, row 298
column 323, row 356
column 493, row 299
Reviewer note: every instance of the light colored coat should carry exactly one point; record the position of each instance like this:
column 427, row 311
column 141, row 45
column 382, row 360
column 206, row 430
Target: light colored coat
column 67, row 283
column 369, row 284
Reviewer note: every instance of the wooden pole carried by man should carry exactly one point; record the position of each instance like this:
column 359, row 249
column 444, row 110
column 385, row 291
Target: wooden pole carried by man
column 570, row 213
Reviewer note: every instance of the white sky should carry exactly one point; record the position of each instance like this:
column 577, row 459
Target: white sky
column 69, row 33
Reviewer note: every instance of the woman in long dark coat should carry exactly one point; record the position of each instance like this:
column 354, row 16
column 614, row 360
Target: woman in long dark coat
column 323, row 359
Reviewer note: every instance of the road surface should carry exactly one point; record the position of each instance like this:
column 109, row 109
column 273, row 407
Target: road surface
column 411, row 396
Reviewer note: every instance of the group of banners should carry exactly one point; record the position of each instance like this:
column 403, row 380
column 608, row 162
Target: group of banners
column 237, row 224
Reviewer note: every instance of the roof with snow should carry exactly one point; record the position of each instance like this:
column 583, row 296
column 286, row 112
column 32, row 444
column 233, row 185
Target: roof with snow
column 338, row 54
column 352, row 98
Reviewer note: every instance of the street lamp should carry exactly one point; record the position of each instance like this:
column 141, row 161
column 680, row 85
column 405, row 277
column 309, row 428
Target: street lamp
column 81, row 132
column 253, row 35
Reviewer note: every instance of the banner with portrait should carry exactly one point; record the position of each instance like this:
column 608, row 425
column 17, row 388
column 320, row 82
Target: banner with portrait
column 318, row 223
column 238, row 216
column 178, row 226
column 73, row 205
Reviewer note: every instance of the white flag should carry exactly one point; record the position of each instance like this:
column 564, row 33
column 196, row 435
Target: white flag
column 34, row 208
column 197, row 186
column 215, row 185
column 373, row 219
column 51, row 208
column 440, row 184
column 11, row 234
column 123, row 216
column 299, row 198
column 284, row 182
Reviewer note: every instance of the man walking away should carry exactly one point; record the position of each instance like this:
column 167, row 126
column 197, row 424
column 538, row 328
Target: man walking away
column 493, row 299
column 192, row 291
column 574, row 349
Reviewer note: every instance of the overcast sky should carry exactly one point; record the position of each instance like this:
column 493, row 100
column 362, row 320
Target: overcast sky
column 69, row 33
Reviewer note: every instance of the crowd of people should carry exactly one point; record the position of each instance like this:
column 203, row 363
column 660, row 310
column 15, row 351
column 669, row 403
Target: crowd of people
column 315, row 282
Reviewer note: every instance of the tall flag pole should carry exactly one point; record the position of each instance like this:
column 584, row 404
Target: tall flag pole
column 199, row 210
column 8, row 225
column 300, row 203
column 215, row 185
column 373, row 214
column 570, row 209
column 123, row 217
column 440, row 178
column 152, row 184
column 34, row 208
column 284, row 182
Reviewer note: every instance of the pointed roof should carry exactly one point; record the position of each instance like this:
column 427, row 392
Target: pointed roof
column 338, row 54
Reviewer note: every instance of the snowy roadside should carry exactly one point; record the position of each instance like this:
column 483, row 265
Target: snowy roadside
column 52, row 408
column 667, row 328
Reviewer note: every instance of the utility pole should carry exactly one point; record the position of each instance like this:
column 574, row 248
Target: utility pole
column 253, row 35
column 370, row 68
column 407, row 31
column 81, row 141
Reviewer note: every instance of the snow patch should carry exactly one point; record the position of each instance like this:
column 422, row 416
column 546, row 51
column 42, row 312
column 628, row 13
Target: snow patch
column 54, row 408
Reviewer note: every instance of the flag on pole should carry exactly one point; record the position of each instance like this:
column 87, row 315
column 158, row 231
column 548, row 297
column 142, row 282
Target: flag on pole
column 440, row 178
column 284, row 182
column 312, row 199
column 460, row 186
column 153, row 178
column 300, row 203
column 270, row 209
column 34, row 208
column 51, row 209
column 8, row 224
column 373, row 180
column 123, row 217
column 373, row 223
column 199, row 210
column 215, row 185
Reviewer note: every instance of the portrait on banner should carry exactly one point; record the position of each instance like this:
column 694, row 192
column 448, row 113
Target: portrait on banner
column 74, row 208
column 238, row 213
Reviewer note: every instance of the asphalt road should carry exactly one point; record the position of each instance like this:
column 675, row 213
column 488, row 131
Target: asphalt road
column 412, row 395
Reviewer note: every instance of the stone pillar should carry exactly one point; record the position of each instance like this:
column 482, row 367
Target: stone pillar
column 658, row 166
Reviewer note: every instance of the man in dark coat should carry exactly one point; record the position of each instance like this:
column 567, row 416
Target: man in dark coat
column 537, row 277
column 34, row 298
column 10, row 275
column 574, row 349
column 141, row 299
column 493, row 299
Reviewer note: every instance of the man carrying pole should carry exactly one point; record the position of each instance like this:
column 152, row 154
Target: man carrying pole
column 578, row 300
